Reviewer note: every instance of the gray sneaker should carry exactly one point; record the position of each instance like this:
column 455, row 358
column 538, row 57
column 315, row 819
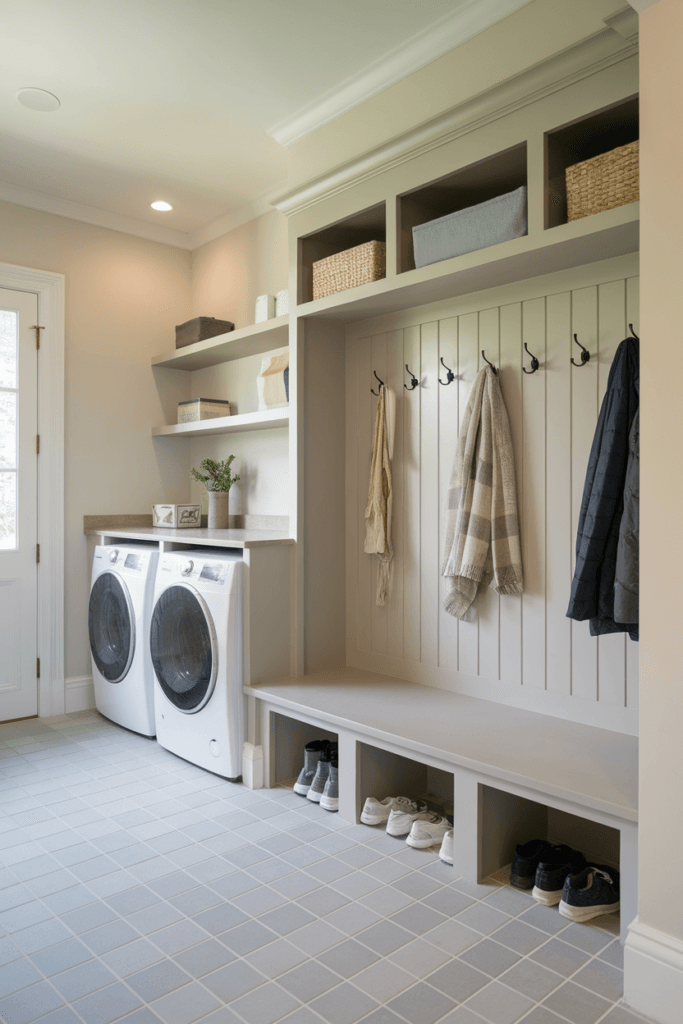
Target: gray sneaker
column 312, row 754
column 330, row 798
column 322, row 773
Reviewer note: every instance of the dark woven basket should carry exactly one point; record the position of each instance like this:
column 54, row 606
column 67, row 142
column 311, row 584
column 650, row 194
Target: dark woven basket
column 199, row 329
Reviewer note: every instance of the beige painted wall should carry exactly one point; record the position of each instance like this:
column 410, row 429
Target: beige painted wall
column 229, row 273
column 124, row 296
column 661, row 715
column 540, row 30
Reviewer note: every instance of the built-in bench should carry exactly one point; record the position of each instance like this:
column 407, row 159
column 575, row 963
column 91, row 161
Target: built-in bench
column 513, row 774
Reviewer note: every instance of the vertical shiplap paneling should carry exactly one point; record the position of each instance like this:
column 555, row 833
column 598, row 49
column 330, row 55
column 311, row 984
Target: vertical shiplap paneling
column 448, row 446
column 559, row 539
column 632, row 646
column 352, row 501
column 511, row 384
column 379, row 612
column 533, row 508
column 611, row 331
column 366, row 406
column 411, row 499
column 489, row 602
column 584, row 419
column 468, row 350
column 429, row 489
column 394, row 380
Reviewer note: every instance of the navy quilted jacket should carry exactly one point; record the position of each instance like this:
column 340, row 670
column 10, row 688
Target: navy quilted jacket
column 592, row 595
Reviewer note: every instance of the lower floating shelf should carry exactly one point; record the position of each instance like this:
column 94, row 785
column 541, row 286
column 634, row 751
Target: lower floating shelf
column 226, row 424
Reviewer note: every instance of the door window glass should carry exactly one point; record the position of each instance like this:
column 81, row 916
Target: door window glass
column 8, row 429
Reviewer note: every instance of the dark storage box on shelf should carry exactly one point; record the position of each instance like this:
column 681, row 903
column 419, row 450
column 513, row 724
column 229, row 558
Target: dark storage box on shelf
column 199, row 329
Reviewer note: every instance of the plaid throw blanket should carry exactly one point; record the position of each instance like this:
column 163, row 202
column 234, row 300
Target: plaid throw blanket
column 380, row 500
column 482, row 528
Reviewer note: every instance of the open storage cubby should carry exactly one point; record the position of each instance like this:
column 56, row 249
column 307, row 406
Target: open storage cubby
column 369, row 225
column 583, row 139
column 289, row 736
column 478, row 182
column 382, row 773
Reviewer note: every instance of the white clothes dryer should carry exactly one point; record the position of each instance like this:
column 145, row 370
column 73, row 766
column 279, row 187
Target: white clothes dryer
column 196, row 647
column 121, row 594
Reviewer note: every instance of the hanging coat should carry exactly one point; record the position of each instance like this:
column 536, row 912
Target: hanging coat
column 592, row 593
column 626, row 583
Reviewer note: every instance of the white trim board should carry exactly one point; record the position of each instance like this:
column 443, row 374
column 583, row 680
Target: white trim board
column 458, row 26
column 79, row 694
column 49, row 288
column 653, row 973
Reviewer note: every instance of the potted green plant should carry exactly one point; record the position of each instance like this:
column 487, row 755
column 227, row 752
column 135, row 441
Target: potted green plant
column 218, row 478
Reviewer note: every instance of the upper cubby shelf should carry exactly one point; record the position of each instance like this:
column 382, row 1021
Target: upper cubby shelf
column 367, row 226
column 248, row 341
column 226, row 424
column 469, row 186
column 583, row 139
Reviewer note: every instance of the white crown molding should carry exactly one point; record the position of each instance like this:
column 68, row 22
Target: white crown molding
column 250, row 211
column 468, row 20
column 92, row 215
column 587, row 58
column 653, row 973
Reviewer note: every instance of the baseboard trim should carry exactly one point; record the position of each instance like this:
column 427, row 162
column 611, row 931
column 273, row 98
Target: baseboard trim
column 79, row 694
column 653, row 973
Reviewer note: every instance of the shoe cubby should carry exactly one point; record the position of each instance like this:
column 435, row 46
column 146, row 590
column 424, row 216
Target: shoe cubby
column 368, row 225
column 478, row 182
column 382, row 773
column 583, row 139
column 289, row 736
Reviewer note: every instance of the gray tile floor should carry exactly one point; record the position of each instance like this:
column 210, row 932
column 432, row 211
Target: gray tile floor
column 138, row 888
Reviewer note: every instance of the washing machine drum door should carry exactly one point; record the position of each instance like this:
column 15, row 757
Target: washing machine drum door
column 183, row 646
column 111, row 624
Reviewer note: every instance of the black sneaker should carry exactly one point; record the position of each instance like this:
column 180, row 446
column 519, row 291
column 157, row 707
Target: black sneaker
column 553, row 868
column 593, row 892
column 525, row 862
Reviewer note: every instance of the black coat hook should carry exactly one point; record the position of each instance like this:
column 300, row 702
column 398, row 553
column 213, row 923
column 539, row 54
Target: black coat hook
column 534, row 362
column 450, row 376
column 413, row 380
column 483, row 356
column 630, row 327
column 381, row 384
column 585, row 354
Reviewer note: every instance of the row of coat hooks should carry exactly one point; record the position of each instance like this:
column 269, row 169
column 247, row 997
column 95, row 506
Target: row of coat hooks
column 535, row 365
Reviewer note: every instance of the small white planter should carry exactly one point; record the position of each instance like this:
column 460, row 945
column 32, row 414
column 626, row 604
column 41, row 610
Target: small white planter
column 219, row 510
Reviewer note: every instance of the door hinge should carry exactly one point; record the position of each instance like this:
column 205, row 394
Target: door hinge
column 37, row 552
column 37, row 444
column 38, row 668
column 37, row 329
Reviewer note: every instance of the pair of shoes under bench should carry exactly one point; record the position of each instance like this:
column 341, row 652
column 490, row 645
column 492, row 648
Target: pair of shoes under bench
column 405, row 817
column 591, row 893
column 319, row 778
column 543, row 867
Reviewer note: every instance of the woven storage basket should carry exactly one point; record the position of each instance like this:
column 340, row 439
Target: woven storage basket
column 603, row 183
column 360, row 265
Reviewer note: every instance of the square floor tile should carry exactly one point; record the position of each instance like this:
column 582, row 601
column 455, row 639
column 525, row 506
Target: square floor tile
column 548, row 919
column 421, row 1004
column 259, row 901
column 323, row 901
column 420, row 958
column 60, row 957
column 586, row 937
column 383, row 980
column 287, row 919
column 532, row 980
column 458, row 980
column 39, row 936
column 219, row 919
column 234, row 884
column 384, row 937
column 247, row 937
column 560, row 957
column 132, row 957
column 448, row 901
column 576, row 1004
column 316, row 937
column 418, row 918
column 17, row 975
column 158, row 980
column 483, row 918
column 179, row 936
column 453, row 937
column 233, row 980
column 204, row 958
column 276, row 958
column 498, row 1004
column 186, row 1005
column 296, row 884
column 107, row 1005
column 353, row 918
column 265, row 1005
column 343, row 1005
column 306, row 982
column 520, row 936
column 417, row 885
column 348, row 958
column 602, row 978
column 613, row 954
column 510, row 901
column 109, row 936
column 30, row 1003
column 196, row 900
column 80, row 981
column 384, row 900
column 356, row 884
column 159, row 916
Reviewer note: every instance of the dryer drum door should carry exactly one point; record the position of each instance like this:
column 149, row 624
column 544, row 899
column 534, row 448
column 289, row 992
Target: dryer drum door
column 182, row 642
column 111, row 624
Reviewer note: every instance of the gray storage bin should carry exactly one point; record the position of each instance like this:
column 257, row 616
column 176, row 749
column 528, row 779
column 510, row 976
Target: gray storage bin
column 475, row 227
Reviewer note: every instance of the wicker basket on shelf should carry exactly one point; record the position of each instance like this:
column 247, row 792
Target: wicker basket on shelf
column 603, row 183
column 348, row 269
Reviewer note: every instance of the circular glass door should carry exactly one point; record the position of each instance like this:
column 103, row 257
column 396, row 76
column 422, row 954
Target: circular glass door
column 111, row 625
column 183, row 647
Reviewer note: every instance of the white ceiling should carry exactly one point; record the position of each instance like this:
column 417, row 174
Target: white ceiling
column 190, row 100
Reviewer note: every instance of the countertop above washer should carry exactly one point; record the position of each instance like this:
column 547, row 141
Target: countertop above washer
column 201, row 537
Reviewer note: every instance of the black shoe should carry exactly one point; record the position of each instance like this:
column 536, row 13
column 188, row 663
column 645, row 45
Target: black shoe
column 552, row 870
column 525, row 862
column 593, row 892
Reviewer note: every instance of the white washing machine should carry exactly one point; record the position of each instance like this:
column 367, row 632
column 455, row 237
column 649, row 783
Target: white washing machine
column 121, row 594
column 196, row 647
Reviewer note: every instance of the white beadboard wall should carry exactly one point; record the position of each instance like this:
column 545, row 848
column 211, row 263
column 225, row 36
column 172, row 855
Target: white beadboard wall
column 523, row 650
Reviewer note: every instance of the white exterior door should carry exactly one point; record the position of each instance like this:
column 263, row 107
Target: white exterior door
column 18, row 505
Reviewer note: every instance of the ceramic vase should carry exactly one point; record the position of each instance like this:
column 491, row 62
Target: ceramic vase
column 219, row 518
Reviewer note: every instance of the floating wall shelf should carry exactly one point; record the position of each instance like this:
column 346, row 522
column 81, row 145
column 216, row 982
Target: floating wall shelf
column 248, row 341
column 226, row 424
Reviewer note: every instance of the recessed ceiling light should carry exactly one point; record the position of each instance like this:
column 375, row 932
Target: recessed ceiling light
column 38, row 99
column 161, row 205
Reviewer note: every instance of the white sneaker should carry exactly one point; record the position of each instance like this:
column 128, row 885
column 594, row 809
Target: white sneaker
column 376, row 812
column 428, row 830
column 402, row 817
column 446, row 851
